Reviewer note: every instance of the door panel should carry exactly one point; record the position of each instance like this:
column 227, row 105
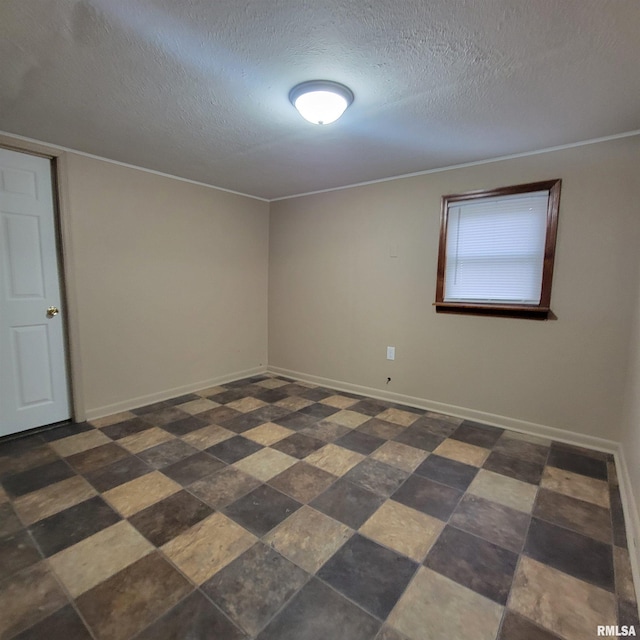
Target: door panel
column 33, row 376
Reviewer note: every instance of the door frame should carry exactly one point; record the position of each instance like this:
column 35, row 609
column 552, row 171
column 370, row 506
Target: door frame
column 64, row 250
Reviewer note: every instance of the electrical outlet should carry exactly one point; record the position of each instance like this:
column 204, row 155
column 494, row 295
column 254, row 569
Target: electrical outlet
column 391, row 353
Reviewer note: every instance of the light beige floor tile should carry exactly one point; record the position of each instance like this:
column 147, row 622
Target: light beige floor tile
column 397, row 416
column 210, row 545
column 268, row 433
column 208, row 436
column 294, row 403
column 53, row 499
column 145, row 439
column 399, row 455
column 339, row 402
column 245, row 405
column 98, row 557
column 209, row 391
column 624, row 577
column 576, row 486
column 195, row 407
column 503, row 490
column 525, row 437
column 568, row 607
column 309, row 538
column 79, row 443
column 271, row 383
column 265, row 464
column 440, row 416
column 404, row 529
column 436, row 608
column 334, row 459
column 462, row 452
column 349, row 419
column 133, row 496
column 107, row 421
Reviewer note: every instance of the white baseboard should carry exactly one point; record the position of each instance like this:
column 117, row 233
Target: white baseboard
column 631, row 515
column 513, row 424
column 167, row 394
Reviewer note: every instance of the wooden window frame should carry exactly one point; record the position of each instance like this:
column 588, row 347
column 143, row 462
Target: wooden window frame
column 540, row 311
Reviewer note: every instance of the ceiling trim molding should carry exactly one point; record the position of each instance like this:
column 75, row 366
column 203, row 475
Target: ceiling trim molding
column 626, row 134
column 57, row 147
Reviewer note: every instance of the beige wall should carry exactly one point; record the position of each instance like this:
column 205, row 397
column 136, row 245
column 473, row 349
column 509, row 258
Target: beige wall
column 337, row 298
column 168, row 281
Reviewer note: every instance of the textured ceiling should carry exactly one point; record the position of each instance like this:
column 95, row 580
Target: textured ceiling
column 198, row 88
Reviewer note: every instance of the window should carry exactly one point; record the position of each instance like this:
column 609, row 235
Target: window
column 497, row 249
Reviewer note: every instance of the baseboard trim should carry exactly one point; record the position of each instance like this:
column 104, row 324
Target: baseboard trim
column 167, row 394
column 513, row 424
column 631, row 516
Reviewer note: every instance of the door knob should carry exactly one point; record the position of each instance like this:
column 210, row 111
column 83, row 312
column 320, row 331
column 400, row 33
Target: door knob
column 52, row 311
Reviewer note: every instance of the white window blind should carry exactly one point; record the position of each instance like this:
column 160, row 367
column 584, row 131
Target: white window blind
column 495, row 249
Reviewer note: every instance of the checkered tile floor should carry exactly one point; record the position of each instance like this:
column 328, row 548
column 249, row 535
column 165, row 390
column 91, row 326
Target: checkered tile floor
column 277, row 510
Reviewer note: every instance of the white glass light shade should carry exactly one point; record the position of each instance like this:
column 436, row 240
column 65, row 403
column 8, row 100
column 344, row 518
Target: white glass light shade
column 321, row 101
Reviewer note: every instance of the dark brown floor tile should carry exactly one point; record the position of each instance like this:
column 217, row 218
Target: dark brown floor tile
column 97, row 457
column 262, row 509
column 67, row 527
column 126, row 428
column 271, row 395
column 117, row 473
column 406, row 407
column 24, row 460
column 298, row 445
column 445, row 471
column 494, row 522
column 370, row 407
column 10, row 446
column 293, row 389
column 381, row 429
column 360, row 442
column 186, row 425
column 242, row 423
column 164, row 416
column 481, row 435
column 474, row 563
column 182, row 399
column 577, row 515
column 437, row 427
column 255, row 586
column 523, row 450
column 302, row 481
column 577, row 463
column 270, row 413
column 224, row 487
column 326, row 430
column 296, row 421
column 219, row 414
column 317, row 612
column 231, row 395
column 167, row 453
column 369, row 575
column 27, row 597
column 573, row 553
column 628, row 614
column 617, row 518
column 376, row 476
column 9, row 521
column 17, row 552
column 193, row 468
column 419, row 437
column 234, row 449
column 150, row 408
column 430, row 497
column 164, row 520
column 73, row 429
column 348, row 503
column 64, row 624
column 515, row 627
column 516, row 468
column 37, row 478
column 316, row 394
column 130, row 600
column 319, row 411
column 195, row 618
column 582, row 451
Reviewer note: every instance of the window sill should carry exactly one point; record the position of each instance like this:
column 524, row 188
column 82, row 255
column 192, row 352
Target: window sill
column 527, row 312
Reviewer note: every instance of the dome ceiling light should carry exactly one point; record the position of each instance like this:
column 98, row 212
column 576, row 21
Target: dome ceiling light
column 321, row 101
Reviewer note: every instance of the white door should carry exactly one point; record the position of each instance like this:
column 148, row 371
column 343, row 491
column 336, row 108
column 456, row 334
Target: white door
column 33, row 376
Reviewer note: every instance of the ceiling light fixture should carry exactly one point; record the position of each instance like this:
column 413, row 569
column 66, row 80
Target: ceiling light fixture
column 321, row 101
